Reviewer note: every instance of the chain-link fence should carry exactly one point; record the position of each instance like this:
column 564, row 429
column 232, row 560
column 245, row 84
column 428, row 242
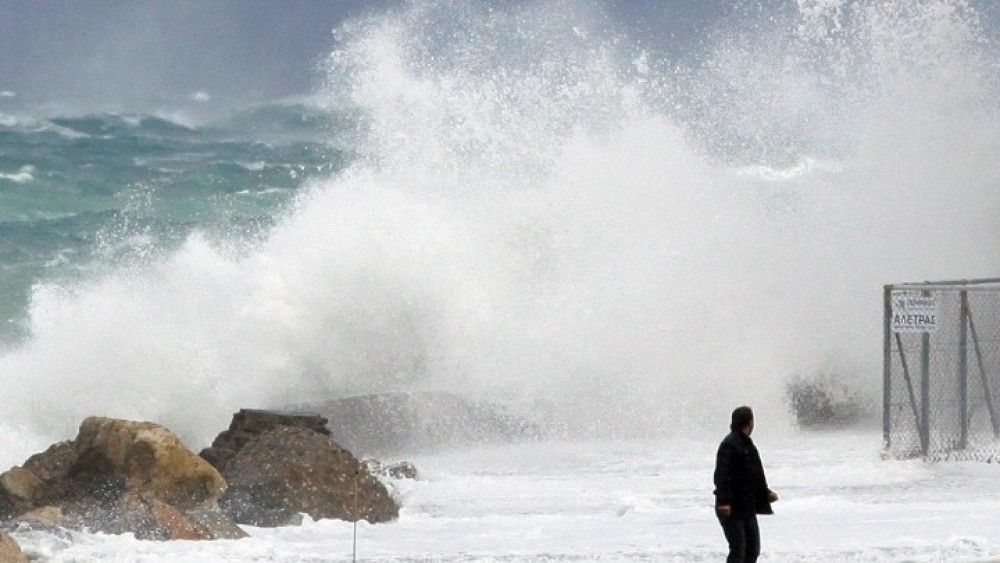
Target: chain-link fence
column 942, row 370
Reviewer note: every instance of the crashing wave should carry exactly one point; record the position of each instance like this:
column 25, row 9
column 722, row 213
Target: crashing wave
column 535, row 217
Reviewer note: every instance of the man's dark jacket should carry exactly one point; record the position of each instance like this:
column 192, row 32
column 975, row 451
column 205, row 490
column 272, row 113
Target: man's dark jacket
column 739, row 477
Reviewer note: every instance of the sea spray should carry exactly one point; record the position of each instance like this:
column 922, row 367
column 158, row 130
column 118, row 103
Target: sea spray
column 549, row 213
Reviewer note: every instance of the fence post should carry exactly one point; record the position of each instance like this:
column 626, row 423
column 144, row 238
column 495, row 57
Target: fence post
column 925, row 388
column 909, row 388
column 987, row 395
column 963, row 370
column 886, row 366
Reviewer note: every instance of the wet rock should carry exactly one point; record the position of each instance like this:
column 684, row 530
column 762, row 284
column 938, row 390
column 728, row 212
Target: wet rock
column 21, row 487
column 18, row 488
column 216, row 524
column 149, row 518
column 53, row 461
column 244, row 507
column 43, row 517
column 121, row 476
column 393, row 423
column 20, row 483
column 10, row 552
column 247, row 424
column 47, row 519
column 289, row 470
column 152, row 460
column 171, row 523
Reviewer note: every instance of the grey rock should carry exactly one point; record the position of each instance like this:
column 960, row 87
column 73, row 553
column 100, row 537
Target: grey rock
column 291, row 470
column 248, row 424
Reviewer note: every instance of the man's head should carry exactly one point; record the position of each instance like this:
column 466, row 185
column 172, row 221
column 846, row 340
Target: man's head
column 742, row 420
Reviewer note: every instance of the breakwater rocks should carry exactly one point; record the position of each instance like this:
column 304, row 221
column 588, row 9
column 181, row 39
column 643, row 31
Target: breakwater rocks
column 118, row 476
column 122, row 476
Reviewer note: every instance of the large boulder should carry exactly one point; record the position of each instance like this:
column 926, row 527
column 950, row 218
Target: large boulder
column 400, row 423
column 248, row 424
column 118, row 476
column 289, row 470
column 10, row 552
column 18, row 488
column 152, row 460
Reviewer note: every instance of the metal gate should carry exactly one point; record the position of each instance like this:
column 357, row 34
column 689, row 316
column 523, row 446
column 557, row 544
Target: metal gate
column 941, row 370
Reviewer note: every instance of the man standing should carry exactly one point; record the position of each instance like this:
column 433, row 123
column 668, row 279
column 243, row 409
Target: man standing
column 741, row 491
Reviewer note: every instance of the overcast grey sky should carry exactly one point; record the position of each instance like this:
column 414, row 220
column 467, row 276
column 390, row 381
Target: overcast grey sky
column 131, row 54
column 148, row 51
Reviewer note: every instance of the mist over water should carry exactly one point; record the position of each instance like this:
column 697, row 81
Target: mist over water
column 549, row 213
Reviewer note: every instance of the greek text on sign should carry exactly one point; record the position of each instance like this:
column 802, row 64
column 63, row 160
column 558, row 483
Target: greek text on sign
column 912, row 312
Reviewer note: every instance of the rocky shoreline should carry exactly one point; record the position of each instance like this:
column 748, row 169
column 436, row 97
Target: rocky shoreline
column 267, row 469
column 123, row 476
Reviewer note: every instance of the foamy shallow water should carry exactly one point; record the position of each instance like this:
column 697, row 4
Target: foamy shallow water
column 629, row 501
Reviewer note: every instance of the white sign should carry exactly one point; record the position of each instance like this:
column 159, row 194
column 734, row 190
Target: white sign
column 912, row 312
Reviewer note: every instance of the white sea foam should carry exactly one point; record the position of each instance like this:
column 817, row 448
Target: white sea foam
column 30, row 124
column 255, row 166
column 538, row 217
column 24, row 174
column 179, row 117
column 626, row 501
column 802, row 168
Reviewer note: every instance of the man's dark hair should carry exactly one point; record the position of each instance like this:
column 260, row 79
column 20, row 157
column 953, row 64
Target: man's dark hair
column 741, row 418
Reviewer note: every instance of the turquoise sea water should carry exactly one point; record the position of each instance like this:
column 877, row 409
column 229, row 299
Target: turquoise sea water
column 81, row 193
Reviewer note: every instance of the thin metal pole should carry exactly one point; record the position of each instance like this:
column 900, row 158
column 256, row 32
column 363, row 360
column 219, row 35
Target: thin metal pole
column 963, row 370
column 982, row 375
column 925, row 386
column 909, row 389
column 887, row 366
column 354, row 542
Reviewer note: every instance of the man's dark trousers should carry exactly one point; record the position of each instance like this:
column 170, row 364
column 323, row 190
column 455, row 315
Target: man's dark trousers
column 743, row 537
